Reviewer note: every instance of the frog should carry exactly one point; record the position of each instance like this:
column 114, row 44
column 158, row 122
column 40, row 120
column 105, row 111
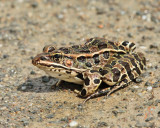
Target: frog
column 95, row 62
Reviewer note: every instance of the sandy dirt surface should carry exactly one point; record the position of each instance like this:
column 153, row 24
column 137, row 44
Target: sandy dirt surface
column 26, row 96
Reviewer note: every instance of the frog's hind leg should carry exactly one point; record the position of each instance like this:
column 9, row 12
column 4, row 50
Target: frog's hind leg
column 118, row 86
column 107, row 91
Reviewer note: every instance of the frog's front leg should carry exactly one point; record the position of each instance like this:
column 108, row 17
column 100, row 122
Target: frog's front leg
column 92, row 80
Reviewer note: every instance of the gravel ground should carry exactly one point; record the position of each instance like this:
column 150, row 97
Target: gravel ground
column 27, row 97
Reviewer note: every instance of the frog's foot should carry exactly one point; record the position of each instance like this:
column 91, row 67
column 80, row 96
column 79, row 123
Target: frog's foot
column 123, row 83
column 58, row 83
column 92, row 81
column 96, row 94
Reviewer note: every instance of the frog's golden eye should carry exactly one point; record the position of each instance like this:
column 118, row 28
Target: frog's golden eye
column 48, row 48
column 57, row 56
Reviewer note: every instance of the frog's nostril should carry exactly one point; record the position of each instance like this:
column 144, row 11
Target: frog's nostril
column 34, row 61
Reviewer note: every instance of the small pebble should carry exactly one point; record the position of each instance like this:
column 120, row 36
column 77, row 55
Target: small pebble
column 148, row 84
column 45, row 79
column 5, row 56
column 156, row 84
column 29, row 85
column 23, row 88
column 138, row 80
column 149, row 88
column 154, row 45
column 136, row 86
column 80, row 107
column 50, row 116
column 32, row 72
column 140, row 114
column 1, row 86
column 149, row 119
column 60, row 16
column 115, row 112
column 34, row 5
column 157, row 102
column 129, row 35
column 73, row 123
column 122, row 12
column 102, row 124
column 158, row 114
column 100, row 11
column 158, row 52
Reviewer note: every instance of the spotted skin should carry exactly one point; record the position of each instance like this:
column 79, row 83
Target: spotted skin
column 116, row 76
column 98, row 60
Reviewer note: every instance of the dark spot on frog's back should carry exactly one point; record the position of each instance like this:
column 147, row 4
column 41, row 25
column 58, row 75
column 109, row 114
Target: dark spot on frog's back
column 132, row 60
column 117, row 56
column 123, row 76
column 125, row 43
column 89, row 40
column 121, row 47
column 80, row 76
column 113, row 63
column 95, row 42
column 81, row 58
column 96, row 58
column 136, row 57
column 88, row 64
column 113, row 44
column 103, row 72
column 141, row 56
column 116, row 74
column 128, row 69
column 92, row 71
column 102, row 45
column 75, row 46
column 108, row 65
column 125, row 81
column 87, row 81
column 83, row 49
column 65, row 50
column 131, row 45
column 106, row 54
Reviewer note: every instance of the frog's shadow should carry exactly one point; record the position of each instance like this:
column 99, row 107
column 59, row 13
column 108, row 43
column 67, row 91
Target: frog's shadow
column 46, row 84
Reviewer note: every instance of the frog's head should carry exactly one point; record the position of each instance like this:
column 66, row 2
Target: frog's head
column 47, row 59
column 54, row 60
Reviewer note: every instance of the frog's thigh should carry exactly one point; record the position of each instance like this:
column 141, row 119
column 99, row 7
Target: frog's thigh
column 91, row 83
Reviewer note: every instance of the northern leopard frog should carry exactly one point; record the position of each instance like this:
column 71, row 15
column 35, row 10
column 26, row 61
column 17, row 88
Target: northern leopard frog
column 96, row 61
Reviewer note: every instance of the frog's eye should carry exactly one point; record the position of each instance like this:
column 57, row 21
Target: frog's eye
column 48, row 48
column 57, row 56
